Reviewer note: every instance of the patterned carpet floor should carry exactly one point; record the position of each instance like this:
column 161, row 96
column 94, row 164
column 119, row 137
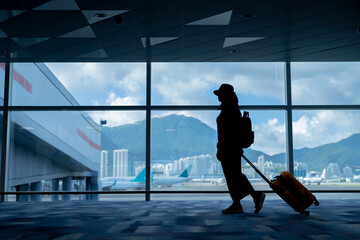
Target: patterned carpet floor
column 333, row 219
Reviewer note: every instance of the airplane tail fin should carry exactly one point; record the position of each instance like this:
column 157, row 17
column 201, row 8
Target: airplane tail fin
column 140, row 177
column 109, row 187
column 186, row 172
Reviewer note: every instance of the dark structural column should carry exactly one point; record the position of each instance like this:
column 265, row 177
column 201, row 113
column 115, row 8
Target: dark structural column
column 22, row 197
column 92, row 185
column 148, row 118
column 36, row 187
column 66, row 186
column 5, row 129
column 55, row 188
column 288, row 120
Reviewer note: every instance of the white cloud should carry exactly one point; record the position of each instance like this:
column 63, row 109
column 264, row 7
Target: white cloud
column 117, row 118
column 325, row 83
column 80, row 76
column 321, row 127
column 134, row 79
column 193, row 83
column 182, row 84
column 269, row 137
column 113, row 100
column 311, row 129
column 96, row 80
column 182, row 93
column 245, row 85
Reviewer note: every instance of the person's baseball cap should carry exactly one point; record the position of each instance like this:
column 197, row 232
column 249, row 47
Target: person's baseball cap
column 224, row 90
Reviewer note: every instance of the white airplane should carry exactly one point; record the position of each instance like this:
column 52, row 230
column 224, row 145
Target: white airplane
column 314, row 178
column 357, row 178
column 214, row 181
column 167, row 181
column 112, row 183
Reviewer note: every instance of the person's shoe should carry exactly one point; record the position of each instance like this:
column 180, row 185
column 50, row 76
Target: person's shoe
column 233, row 209
column 259, row 202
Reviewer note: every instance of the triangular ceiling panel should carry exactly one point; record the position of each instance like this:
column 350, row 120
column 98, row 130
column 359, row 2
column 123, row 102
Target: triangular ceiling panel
column 92, row 15
column 59, row 5
column 157, row 40
column 2, row 34
column 26, row 42
column 231, row 41
column 85, row 32
column 219, row 19
column 7, row 14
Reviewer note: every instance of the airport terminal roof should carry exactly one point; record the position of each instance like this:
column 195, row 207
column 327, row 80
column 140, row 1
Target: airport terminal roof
column 179, row 31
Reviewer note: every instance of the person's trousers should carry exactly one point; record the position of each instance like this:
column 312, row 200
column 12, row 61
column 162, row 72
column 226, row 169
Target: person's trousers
column 238, row 184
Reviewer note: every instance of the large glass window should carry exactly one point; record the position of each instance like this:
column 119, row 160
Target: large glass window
column 326, row 144
column 183, row 149
column 66, row 84
column 327, row 83
column 77, row 151
column 71, row 150
column 184, row 144
column 194, row 83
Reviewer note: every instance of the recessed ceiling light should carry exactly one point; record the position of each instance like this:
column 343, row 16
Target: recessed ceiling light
column 234, row 51
column 100, row 15
column 248, row 15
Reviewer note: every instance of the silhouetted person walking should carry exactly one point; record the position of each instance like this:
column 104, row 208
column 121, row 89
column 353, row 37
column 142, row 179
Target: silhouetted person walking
column 229, row 151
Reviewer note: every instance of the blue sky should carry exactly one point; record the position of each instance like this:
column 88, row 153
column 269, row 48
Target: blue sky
column 255, row 83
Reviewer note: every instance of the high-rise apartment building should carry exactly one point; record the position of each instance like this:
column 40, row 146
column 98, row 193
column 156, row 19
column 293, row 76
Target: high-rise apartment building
column 104, row 164
column 120, row 163
column 347, row 172
column 333, row 170
column 261, row 163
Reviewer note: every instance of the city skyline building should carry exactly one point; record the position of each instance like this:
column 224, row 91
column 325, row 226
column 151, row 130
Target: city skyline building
column 120, row 163
column 333, row 170
column 261, row 163
column 104, row 164
column 347, row 172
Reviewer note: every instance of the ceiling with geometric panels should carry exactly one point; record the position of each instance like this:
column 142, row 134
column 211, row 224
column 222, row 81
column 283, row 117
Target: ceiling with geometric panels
column 179, row 31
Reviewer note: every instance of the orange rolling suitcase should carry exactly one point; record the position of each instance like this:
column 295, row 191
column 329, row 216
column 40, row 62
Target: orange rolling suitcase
column 290, row 190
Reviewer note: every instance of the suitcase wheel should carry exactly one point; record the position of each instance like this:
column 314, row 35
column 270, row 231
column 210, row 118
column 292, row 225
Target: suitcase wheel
column 316, row 202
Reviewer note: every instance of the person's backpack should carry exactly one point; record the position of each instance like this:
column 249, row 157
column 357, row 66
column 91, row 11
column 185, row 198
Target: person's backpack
column 247, row 135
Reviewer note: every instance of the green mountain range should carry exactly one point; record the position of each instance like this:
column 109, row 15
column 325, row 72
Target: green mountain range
column 172, row 137
column 177, row 136
column 344, row 152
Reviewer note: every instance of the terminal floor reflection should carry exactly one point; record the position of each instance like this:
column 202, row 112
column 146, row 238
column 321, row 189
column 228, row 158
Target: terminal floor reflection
column 333, row 219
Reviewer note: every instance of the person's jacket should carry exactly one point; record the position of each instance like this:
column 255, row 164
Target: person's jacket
column 228, row 128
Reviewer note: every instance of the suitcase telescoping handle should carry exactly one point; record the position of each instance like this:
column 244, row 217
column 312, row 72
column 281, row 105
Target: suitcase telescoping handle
column 257, row 170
